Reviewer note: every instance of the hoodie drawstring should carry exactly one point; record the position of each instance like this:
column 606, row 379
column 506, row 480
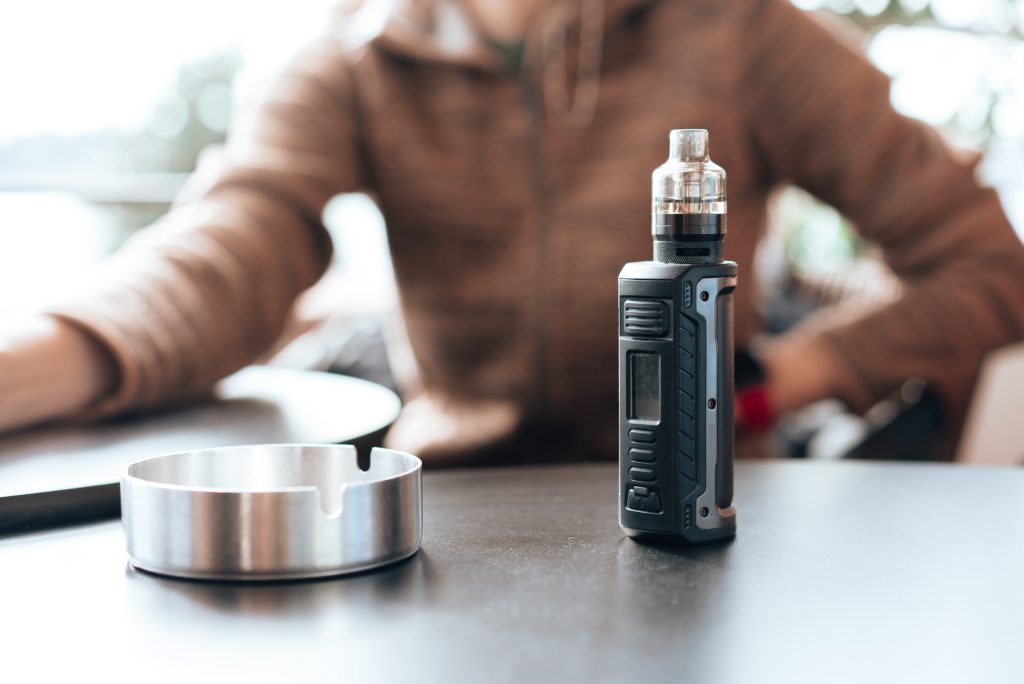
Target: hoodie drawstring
column 574, row 99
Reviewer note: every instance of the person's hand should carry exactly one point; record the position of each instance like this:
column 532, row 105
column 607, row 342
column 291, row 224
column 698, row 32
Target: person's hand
column 48, row 369
column 797, row 374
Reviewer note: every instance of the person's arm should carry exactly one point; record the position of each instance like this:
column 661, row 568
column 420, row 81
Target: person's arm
column 48, row 368
column 208, row 288
column 821, row 119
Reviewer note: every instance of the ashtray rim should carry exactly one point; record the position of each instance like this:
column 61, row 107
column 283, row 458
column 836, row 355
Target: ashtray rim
column 247, row 532
column 413, row 464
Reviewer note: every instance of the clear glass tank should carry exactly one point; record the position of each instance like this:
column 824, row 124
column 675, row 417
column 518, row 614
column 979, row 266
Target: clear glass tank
column 689, row 182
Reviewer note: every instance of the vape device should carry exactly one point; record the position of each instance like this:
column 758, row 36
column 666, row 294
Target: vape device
column 676, row 359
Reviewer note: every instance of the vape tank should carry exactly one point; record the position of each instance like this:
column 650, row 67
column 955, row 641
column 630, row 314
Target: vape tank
column 676, row 359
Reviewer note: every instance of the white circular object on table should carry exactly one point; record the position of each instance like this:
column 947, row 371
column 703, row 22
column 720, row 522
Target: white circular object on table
column 259, row 404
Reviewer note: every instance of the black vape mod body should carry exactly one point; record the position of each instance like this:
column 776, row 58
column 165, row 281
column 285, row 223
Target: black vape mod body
column 676, row 359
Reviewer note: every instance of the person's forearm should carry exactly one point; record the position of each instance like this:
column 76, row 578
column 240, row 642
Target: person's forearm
column 797, row 373
column 49, row 369
column 945, row 237
column 208, row 288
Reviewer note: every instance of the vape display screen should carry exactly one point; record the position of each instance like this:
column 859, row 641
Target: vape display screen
column 645, row 386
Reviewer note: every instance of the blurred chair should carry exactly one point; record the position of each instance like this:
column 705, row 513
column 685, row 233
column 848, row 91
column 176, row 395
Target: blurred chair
column 994, row 431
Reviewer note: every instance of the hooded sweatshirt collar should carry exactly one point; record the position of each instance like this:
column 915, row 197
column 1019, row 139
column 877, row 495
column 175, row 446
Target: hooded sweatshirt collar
column 442, row 30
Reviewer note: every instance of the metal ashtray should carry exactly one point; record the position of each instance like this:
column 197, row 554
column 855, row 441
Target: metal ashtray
column 271, row 512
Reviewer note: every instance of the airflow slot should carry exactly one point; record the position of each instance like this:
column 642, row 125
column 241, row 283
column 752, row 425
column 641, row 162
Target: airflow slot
column 644, row 317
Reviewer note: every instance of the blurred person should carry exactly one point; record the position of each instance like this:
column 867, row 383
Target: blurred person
column 509, row 144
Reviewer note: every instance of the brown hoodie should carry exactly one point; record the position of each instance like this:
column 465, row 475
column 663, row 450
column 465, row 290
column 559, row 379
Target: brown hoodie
column 512, row 198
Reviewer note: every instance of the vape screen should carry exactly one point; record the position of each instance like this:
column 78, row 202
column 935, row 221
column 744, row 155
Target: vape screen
column 645, row 384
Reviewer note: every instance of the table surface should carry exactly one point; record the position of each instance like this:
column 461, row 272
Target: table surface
column 259, row 404
column 841, row 572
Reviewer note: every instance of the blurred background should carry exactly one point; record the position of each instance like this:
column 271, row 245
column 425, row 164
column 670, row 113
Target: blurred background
column 100, row 128
column 955, row 64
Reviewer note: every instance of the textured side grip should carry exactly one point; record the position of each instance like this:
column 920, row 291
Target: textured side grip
column 686, row 418
column 723, row 469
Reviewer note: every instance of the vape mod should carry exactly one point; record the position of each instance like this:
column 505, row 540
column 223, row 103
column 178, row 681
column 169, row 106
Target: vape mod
column 676, row 359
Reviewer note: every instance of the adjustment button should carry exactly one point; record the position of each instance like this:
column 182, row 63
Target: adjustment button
column 642, row 475
column 642, row 455
column 641, row 436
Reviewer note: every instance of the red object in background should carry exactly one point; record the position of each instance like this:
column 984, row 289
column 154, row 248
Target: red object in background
column 754, row 408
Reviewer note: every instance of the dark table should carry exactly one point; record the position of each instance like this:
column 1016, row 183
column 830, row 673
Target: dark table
column 842, row 572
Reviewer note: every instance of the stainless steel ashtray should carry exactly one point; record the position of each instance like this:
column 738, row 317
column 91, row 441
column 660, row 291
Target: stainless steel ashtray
column 270, row 512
